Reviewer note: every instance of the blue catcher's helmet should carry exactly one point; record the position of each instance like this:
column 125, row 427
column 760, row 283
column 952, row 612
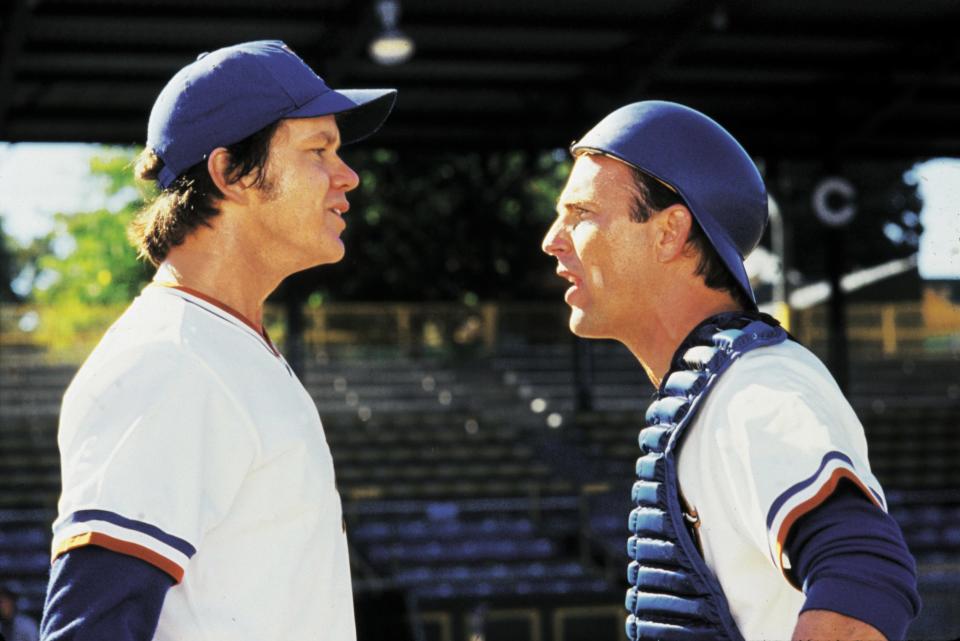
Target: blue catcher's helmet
column 701, row 161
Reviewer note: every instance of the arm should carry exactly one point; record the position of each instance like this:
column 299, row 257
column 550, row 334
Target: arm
column 160, row 440
column 824, row 624
column 95, row 593
column 857, row 575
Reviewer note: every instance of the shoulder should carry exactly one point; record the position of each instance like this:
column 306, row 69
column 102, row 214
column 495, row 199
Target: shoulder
column 772, row 440
column 163, row 318
column 24, row 622
column 787, row 365
column 777, row 380
column 781, row 399
column 135, row 362
column 778, row 416
column 162, row 338
column 147, row 367
column 153, row 331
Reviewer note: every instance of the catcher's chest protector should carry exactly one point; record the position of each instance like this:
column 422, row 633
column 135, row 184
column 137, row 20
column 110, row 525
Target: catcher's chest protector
column 675, row 596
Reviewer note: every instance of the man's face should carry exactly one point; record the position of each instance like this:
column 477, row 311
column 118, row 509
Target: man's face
column 604, row 255
column 301, row 207
column 8, row 608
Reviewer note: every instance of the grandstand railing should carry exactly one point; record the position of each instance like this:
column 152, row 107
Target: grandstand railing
column 903, row 329
column 895, row 330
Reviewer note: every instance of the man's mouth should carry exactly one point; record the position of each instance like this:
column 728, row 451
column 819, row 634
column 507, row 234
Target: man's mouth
column 573, row 292
column 339, row 209
column 568, row 276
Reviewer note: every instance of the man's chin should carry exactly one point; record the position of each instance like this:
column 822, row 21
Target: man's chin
column 581, row 326
column 330, row 256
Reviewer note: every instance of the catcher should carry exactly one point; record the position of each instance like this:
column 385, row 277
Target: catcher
column 757, row 514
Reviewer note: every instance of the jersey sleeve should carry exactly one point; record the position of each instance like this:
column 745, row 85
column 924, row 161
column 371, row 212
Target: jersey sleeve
column 153, row 451
column 850, row 558
column 97, row 594
column 783, row 437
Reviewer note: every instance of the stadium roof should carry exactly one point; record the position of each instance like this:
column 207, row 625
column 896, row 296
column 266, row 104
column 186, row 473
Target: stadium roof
column 820, row 79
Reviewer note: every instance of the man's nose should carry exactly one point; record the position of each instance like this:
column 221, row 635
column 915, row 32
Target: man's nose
column 555, row 241
column 347, row 178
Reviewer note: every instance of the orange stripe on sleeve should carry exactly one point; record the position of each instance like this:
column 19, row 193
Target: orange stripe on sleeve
column 123, row 547
column 822, row 495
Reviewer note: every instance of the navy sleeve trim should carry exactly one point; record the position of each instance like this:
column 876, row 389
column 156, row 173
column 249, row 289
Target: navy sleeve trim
column 96, row 593
column 850, row 557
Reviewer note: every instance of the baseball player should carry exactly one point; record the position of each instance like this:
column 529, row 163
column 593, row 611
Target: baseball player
column 198, row 490
column 757, row 514
column 14, row 625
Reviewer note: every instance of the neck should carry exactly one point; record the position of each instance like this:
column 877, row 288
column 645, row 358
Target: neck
column 215, row 268
column 655, row 342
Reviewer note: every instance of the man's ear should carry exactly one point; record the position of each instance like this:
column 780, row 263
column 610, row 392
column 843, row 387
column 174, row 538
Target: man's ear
column 674, row 225
column 218, row 164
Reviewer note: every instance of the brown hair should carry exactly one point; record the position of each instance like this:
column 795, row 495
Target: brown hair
column 192, row 199
column 653, row 196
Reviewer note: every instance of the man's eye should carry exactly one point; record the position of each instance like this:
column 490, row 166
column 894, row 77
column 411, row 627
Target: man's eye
column 319, row 151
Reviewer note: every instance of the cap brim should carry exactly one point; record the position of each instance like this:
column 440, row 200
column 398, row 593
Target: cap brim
column 360, row 112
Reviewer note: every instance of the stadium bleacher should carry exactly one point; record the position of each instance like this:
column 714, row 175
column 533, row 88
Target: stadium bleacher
column 25, row 554
column 911, row 415
column 486, row 482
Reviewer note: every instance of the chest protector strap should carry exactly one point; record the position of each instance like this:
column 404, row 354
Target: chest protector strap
column 674, row 595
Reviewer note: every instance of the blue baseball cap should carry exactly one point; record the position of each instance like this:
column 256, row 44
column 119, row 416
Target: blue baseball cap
column 234, row 92
column 699, row 160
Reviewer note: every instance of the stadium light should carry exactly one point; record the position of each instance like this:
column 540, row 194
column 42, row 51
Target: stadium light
column 392, row 46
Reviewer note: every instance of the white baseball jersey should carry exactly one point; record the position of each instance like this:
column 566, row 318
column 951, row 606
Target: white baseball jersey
column 186, row 441
column 771, row 442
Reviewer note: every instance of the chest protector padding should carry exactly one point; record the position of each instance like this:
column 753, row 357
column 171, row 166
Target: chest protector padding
column 674, row 595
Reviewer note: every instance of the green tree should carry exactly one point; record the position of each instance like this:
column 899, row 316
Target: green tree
column 444, row 226
column 88, row 265
column 90, row 261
